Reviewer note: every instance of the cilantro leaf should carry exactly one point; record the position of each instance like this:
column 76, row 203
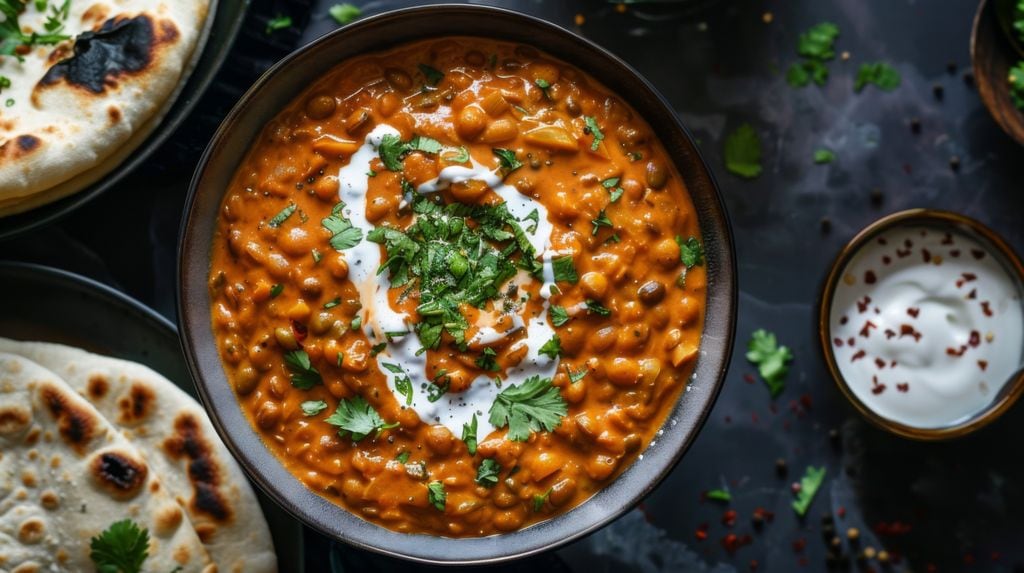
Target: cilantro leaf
column 276, row 290
column 356, row 417
column 801, row 74
column 577, row 375
column 595, row 307
column 461, row 155
column 595, row 130
column 880, row 74
column 120, row 548
column 425, row 144
column 487, row 473
column 532, row 406
column 282, row 216
column 303, row 374
column 614, row 191
column 391, row 151
column 552, row 348
column 809, row 485
column 1017, row 82
column 469, row 435
column 817, row 43
column 403, row 457
column 278, row 23
column 313, row 407
column 436, row 495
column 771, row 360
column 558, row 315
column 344, row 235
column 540, row 500
column 691, row 252
column 743, row 152
column 718, row 495
column 544, row 86
column 486, row 360
column 824, row 156
column 507, row 160
column 345, row 13
column 565, row 269
column 602, row 220
column 436, row 391
column 433, row 75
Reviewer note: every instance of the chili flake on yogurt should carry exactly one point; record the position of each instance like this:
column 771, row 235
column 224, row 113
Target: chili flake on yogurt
column 926, row 326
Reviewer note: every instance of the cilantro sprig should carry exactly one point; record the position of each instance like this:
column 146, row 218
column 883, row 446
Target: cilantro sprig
column 816, row 46
column 879, row 74
column 469, row 435
column 533, row 406
column 1017, row 83
column 357, row 418
column 771, row 359
column 809, row 486
column 121, row 548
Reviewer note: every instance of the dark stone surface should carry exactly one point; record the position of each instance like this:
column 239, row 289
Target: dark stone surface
column 955, row 505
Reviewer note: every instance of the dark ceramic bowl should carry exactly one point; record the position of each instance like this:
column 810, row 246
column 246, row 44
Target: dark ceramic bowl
column 275, row 90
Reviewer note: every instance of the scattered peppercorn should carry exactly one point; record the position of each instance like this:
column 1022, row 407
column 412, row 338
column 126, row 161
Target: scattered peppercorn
column 951, row 68
column 968, row 79
column 938, row 91
column 835, row 438
column 876, row 196
column 799, row 545
column 826, row 225
column 620, row 7
column 780, row 467
column 954, row 163
column 915, row 125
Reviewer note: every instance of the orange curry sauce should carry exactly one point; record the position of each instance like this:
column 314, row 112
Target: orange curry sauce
column 281, row 288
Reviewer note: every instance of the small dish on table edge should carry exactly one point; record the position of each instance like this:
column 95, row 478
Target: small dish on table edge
column 992, row 56
column 1010, row 391
column 280, row 85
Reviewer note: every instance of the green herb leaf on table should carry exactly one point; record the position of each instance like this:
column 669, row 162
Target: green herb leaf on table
column 595, row 130
column 469, row 435
column 801, row 74
column 278, row 23
column 533, row 406
column 303, row 374
column 822, row 156
column 436, row 495
column 743, row 152
column 558, row 315
column 809, row 486
column 121, row 548
column 818, row 42
column 552, row 348
column 345, row 13
column 879, row 74
column 487, row 473
column 356, row 417
column 313, row 407
column 691, row 252
column 771, row 359
column 718, row 495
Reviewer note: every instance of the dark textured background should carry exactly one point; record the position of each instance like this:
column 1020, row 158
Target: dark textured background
column 955, row 505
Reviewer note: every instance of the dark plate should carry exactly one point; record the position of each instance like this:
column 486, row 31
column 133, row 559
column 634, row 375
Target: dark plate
column 226, row 24
column 43, row 303
column 278, row 87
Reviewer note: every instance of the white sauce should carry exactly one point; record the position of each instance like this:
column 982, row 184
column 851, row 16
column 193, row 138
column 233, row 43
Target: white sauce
column 926, row 326
column 453, row 410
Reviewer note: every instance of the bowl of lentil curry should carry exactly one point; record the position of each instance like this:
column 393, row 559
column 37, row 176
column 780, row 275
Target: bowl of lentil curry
column 446, row 295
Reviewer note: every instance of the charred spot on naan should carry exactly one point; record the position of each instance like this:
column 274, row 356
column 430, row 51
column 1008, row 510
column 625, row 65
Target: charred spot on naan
column 203, row 470
column 19, row 146
column 118, row 473
column 97, row 386
column 76, row 425
column 121, row 46
column 14, row 419
column 137, row 405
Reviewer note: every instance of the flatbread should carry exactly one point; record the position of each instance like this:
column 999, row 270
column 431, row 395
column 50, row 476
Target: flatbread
column 77, row 103
column 174, row 434
column 66, row 474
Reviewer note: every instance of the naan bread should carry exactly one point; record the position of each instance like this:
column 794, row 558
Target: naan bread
column 174, row 434
column 66, row 474
column 79, row 103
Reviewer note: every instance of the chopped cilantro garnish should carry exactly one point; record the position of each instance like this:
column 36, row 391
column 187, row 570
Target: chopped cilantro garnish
column 11, row 36
column 882, row 75
column 771, row 359
column 344, row 13
column 743, row 152
column 333, row 302
column 313, row 407
column 344, row 234
column 595, row 307
column 356, row 417
column 552, row 348
column 718, row 495
column 614, row 191
column 378, row 348
column 486, row 360
column 317, row 256
column 507, row 160
column 532, row 406
column 461, row 155
column 357, row 323
column 403, row 457
column 564, row 269
column 540, row 500
column 436, row 391
column 558, row 315
column 602, row 220
column 433, row 75
column 276, row 290
column 404, row 387
column 809, row 485
column 436, row 495
column 576, row 375
column 594, row 130
column 1017, row 81
column 487, row 473
column 818, row 42
column 392, row 368
column 544, row 86
column 278, row 23
column 5, row 82
column 303, row 374
column 824, row 156
column 121, row 548
column 282, row 216
column 691, row 252
column 391, row 150
column 469, row 435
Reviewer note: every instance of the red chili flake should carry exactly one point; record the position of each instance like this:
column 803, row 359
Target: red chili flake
column 749, row 378
column 955, row 352
column 914, row 312
column 886, row 260
column 841, row 512
column 851, row 341
column 732, row 542
column 879, row 363
column 860, row 354
column 975, row 339
column 701, row 532
column 985, row 308
column 903, row 387
column 973, row 294
column 838, row 342
column 795, row 487
column 862, row 305
column 754, row 565
column 908, row 243
column 762, row 515
column 869, row 277
column 908, row 330
column 947, row 239
column 902, row 253
column 978, row 254
column 806, row 401
column 889, row 333
column 983, row 364
column 843, row 320
column 866, row 331
column 799, row 545
column 882, row 241
column 729, row 518
column 926, row 255
column 966, row 278
column 300, row 331
column 876, row 390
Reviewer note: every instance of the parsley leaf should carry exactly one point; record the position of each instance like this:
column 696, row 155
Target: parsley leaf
column 436, row 495
column 552, row 348
column 344, row 234
column 487, row 473
column 818, row 42
column 882, row 75
column 602, row 220
column 809, row 485
column 278, row 23
column 540, row 500
column 433, row 75
column 594, row 130
column 282, row 216
column 391, row 151
column 532, row 406
column 565, row 269
column 356, row 417
column 743, row 152
column 121, row 548
column 718, row 495
column 345, row 13
column 303, row 374
column 558, row 315
column 824, row 156
column 770, row 358
column 486, row 360
column 1017, row 83
column 313, row 407
column 595, row 307
column 691, row 252
column 469, row 435
column 507, row 160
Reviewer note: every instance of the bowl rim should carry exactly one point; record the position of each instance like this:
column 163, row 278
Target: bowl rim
column 677, row 432
column 933, row 217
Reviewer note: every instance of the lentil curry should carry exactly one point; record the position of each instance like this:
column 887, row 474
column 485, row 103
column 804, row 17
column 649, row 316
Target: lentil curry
column 457, row 286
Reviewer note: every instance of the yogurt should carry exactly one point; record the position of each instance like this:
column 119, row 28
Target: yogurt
column 926, row 326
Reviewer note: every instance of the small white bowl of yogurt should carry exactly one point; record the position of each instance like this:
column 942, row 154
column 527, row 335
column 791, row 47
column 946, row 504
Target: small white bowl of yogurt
column 922, row 324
